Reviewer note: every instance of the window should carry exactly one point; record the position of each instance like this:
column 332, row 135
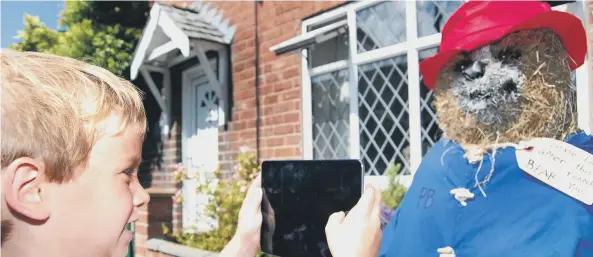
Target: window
column 363, row 95
column 370, row 84
column 330, row 115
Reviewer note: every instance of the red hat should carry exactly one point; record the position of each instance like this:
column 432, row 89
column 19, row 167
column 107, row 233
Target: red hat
column 479, row 23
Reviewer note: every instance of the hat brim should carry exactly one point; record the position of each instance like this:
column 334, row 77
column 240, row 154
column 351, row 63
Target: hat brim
column 568, row 27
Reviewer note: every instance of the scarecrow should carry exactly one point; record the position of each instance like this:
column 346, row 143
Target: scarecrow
column 512, row 175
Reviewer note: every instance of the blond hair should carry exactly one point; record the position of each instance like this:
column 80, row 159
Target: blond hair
column 52, row 105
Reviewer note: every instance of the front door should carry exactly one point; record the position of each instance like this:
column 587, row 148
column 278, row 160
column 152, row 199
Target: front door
column 199, row 146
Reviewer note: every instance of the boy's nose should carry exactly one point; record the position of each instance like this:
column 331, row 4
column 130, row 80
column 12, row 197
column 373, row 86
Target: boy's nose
column 141, row 197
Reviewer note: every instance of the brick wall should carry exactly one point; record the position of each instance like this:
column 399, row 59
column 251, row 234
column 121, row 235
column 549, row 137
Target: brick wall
column 152, row 216
column 279, row 85
column 279, row 79
column 279, row 98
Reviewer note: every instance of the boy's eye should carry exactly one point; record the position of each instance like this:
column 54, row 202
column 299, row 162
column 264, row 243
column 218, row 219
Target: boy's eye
column 129, row 175
column 129, row 172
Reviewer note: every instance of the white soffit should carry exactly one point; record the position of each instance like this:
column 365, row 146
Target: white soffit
column 312, row 37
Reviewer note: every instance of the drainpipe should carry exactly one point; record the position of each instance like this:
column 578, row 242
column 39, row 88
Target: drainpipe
column 257, row 114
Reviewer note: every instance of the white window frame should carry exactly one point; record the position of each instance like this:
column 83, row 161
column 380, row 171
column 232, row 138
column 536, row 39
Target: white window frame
column 411, row 47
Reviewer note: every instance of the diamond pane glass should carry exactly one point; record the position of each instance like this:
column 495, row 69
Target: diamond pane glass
column 381, row 25
column 432, row 15
column 331, row 108
column 383, row 115
column 431, row 132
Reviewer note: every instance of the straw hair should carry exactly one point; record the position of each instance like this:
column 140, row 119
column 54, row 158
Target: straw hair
column 547, row 105
column 55, row 109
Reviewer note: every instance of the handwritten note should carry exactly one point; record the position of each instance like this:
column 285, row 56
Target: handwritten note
column 561, row 165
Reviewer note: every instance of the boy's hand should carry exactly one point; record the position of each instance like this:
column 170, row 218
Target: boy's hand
column 357, row 234
column 245, row 242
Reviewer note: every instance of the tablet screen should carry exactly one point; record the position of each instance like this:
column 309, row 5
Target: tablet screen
column 299, row 197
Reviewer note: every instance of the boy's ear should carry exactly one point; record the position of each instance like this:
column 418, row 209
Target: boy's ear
column 21, row 186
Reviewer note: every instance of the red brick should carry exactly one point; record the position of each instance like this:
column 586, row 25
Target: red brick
column 292, row 117
column 292, row 140
column 250, row 124
column 247, row 133
column 284, row 152
column 271, row 78
column 266, row 89
column 283, row 129
column 271, row 99
column 291, row 94
column 274, row 141
column 283, row 85
column 278, row 119
column 247, row 114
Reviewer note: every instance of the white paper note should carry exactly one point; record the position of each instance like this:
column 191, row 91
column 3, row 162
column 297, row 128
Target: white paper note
column 561, row 165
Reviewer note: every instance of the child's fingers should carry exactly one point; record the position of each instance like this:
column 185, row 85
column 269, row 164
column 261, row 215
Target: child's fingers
column 376, row 209
column 333, row 223
column 252, row 203
column 253, row 198
column 257, row 181
column 365, row 204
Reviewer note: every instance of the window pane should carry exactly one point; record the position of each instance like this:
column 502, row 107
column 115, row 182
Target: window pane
column 335, row 49
column 331, row 108
column 432, row 15
column 431, row 131
column 576, row 8
column 383, row 113
column 381, row 25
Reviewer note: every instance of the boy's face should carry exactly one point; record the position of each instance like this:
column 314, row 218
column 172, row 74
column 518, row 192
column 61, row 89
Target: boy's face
column 91, row 212
column 87, row 216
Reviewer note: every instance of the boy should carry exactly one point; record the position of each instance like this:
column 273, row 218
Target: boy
column 71, row 143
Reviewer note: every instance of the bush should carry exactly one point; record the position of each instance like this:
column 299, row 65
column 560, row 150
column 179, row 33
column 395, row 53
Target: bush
column 393, row 195
column 224, row 206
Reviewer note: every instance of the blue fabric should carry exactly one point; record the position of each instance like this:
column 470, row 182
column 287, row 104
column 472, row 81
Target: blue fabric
column 520, row 216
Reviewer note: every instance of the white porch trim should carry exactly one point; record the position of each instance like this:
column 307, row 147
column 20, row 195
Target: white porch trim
column 208, row 69
column 177, row 39
column 163, row 49
column 162, row 35
column 145, row 41
column 177, row 36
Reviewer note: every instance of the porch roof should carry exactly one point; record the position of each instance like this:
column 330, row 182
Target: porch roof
column 195, row 25
column 169, row 28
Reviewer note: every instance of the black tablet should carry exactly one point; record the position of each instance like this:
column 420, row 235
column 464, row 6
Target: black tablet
column 299, row 197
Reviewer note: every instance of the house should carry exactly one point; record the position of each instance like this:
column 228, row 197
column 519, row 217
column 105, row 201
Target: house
column 289, row 80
